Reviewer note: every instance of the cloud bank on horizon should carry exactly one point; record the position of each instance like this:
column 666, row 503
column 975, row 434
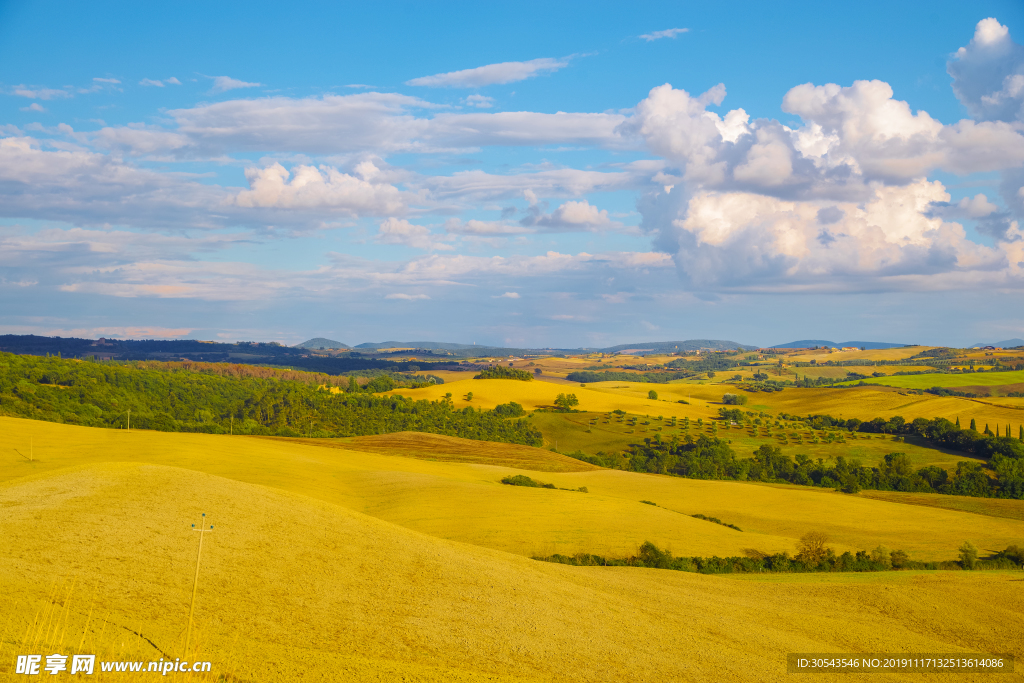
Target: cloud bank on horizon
column 674, row 200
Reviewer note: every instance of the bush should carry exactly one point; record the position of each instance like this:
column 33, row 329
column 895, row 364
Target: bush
column 716, row 521
column 523, row 480
column 510, row 409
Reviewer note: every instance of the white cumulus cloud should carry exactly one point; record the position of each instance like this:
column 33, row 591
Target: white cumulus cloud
column 401, row 231
column 735, row 241
column 572, row 215
column 988, row 74
column 325, row 187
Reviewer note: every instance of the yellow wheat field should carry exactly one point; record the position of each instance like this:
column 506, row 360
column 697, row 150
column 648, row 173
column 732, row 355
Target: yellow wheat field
column 294, row 588
column 465, row 501
column 704, row 400
column 329, row 563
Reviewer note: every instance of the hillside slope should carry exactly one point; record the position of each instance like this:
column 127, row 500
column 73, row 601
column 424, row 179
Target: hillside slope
column 293, row 588
column 466, row 502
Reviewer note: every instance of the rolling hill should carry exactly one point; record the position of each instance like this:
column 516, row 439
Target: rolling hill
column 375, row 601
column 354, row 561
column 321, row 343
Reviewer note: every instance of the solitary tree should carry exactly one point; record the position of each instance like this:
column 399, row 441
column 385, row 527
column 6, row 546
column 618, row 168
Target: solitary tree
column 653, row 395
column 968, row 555
column 811, row 548
column 974, row 425
column 566, row 401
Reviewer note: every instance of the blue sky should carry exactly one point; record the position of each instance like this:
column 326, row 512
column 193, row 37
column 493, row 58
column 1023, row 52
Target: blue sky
column 566, row 174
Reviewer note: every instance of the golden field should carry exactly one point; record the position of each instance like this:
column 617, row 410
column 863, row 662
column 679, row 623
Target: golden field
column 704, row 400
column 403, row 558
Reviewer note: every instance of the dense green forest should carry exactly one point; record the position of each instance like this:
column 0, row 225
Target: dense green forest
column 222, row 398
column 502, row 372
column 588, row 376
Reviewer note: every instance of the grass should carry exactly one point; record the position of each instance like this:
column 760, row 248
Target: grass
column 335, row 563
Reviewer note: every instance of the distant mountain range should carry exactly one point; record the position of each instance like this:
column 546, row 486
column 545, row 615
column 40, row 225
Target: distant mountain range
column 483, row 350
column 633, row 347
column 809, row 343
column 672, row 346
column 444, row 346
column 1005, row 344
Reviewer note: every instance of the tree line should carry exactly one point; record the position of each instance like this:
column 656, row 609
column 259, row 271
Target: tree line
column 812, row 556
column 709, row 457
column 177, row 398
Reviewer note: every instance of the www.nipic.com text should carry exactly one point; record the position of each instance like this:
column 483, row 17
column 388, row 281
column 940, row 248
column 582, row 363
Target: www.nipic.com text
column 32, row 665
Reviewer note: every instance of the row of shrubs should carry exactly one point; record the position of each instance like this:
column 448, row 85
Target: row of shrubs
column 753, row 561
column 523, row 480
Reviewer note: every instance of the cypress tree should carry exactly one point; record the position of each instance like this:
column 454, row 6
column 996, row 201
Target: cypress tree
column 974, row 425
column 958, row 422
column 1021, row 437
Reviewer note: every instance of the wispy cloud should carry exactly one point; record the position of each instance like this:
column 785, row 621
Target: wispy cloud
column 110, row 81
column 225, row 83
column 40, row 93
column 479, row 101
column 407, row 297
column 667, row 33
column 35, row 106
column 507, row 295
column 158, row 83
column 491, row 74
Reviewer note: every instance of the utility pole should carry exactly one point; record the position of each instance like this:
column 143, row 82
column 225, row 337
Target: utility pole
column 231, row 428
column 129, row 420
column 195, row 583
